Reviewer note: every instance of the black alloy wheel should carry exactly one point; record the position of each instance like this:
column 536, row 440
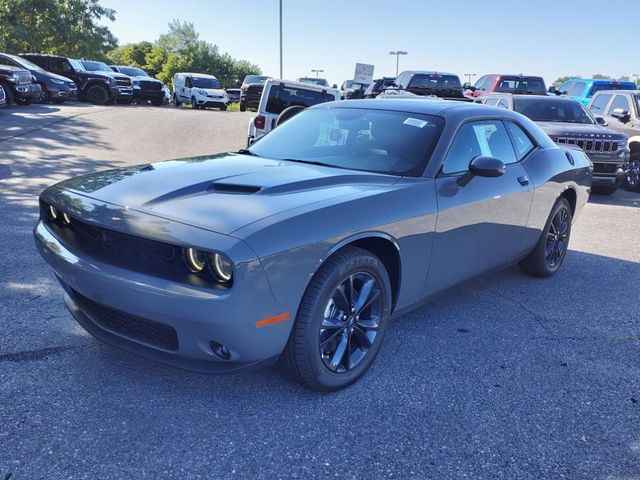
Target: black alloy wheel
column 633, row 174
column 548, row 255
column 557, row 238
column 341, row 321
column 351, row 321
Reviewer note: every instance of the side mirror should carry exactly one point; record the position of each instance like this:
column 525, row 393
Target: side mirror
column 488, row 167
column 601, row 121
column 335, row 85
column 621, row 114
column 468, row 86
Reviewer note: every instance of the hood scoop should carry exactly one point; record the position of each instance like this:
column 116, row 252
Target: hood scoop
column 233, row 189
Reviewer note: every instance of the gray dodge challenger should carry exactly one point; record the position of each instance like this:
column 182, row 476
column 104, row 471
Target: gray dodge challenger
column 303, row 247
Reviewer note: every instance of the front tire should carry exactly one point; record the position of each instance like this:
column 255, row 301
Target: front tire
column 341, row 321
column 547, row 257
column 97, row 95
column 176, row 102
column 243, row 106
column 632, row 181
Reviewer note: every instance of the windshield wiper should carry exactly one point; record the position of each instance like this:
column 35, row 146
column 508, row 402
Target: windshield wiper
column 245, row 151
column 308, row 162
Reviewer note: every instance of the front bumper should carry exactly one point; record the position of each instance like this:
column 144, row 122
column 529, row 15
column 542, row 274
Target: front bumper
column 609, row 173
column 127, row 309
column 147, row 94
column 211, row 102
column 62, row 91
column 124, row 93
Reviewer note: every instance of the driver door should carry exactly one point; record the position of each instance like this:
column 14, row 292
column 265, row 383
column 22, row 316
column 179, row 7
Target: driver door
column 480, row 226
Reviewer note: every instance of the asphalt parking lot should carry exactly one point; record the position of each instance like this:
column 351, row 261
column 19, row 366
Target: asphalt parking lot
column 509, row 377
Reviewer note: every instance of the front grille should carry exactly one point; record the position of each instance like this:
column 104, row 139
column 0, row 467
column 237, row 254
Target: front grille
column 137, row 328
column 591, row 145
column 126, row 251
column 123, row 82
column 609, row 168
column 146, row 85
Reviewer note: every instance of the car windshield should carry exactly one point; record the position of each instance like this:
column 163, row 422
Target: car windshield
column 389, row 142
column 133, row 71
column 76, row 64
column 255, row 79
column 25, row 63
column 533, row 85
column 553, row 110
column 95, row 66
column 434, row 81
column 205, row 82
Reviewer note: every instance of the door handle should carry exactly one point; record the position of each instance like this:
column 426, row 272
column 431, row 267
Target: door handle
column 524, row 180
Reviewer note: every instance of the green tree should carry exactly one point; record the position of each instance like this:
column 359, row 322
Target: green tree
column 67, row 27
column 625, row 78
column 134, row 54
column 600, row 76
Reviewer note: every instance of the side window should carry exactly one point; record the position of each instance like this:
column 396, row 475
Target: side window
column 188, row 83
column 401, row 81
column 479, row 82
column 521, row 142
column 566, row 87
column 599, row 103
column 620, row 101
column 478, row 139
column 578, row 89
column 5, row 61
column 503, row 104
column 492, row 101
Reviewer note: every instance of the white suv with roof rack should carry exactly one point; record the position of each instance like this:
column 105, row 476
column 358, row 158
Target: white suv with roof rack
column 280, row 95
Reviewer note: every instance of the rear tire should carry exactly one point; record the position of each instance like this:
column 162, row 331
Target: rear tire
column 632, row 182
column 549, row 253
column 341, row 321
column 194, row 103
column 243, row 107
column 288, row 113
column 157, row 102
column 223, row 109
column 97, row 95
column 176, row 102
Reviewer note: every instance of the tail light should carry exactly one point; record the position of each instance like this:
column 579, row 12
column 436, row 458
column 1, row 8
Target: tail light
column 259, row 122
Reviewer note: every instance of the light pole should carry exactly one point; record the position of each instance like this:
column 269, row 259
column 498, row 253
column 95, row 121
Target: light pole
column 317, row 72
column 469, row 76
column 397, row 53
column 280, row 38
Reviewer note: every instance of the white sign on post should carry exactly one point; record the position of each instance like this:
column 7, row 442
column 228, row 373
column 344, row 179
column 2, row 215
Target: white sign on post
column 363, row 74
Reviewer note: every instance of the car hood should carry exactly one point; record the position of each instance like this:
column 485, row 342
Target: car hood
column 212, row 91
column 223, row 193
column 144, row 78
column 559, row 129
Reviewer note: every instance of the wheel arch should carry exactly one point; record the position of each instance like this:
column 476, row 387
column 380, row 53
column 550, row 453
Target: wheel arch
column 383, row 246
column 572, row 197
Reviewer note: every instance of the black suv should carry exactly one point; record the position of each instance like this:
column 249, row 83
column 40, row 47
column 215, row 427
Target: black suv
column 145, row 87
column 17, row 84
column 95, row 87
column 621, row 109
column 56, row 88
column 251, row 91
column 568, row 122
column 438, row 84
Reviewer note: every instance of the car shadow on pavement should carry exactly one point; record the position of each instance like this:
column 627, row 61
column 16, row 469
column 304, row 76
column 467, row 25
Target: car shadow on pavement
column 621, row 197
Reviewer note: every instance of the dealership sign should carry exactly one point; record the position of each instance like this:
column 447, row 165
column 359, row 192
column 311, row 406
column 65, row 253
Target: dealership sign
column 364, row 73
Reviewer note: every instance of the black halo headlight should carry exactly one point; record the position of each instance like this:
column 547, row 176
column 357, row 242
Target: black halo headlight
column 222, row 267
column 196, row 259
column 53, row 213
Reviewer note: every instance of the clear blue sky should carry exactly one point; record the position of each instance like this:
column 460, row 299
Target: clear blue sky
column 549, row 38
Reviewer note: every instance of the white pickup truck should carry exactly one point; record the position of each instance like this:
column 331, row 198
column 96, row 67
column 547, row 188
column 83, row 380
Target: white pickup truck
column 279, row 95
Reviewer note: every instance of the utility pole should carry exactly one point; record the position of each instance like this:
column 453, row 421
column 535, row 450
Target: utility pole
column 280, row 38
column 397, row 53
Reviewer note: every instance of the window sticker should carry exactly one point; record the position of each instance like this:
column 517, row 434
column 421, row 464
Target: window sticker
column 415, row 122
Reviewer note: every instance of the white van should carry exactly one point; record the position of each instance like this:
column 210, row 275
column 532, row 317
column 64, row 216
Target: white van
column 200, row 90
column 279, row 95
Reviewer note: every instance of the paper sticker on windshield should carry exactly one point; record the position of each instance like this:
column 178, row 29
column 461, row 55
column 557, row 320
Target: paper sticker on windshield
column 415, row 122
